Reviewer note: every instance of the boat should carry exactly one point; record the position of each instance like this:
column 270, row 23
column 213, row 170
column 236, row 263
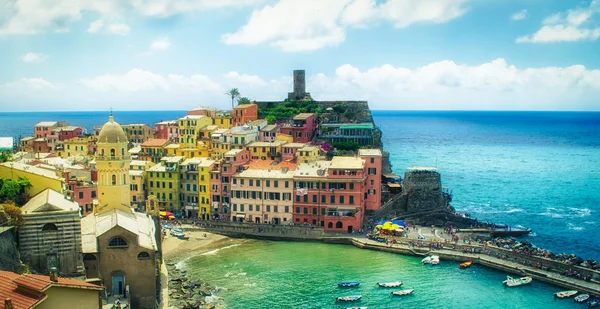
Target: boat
column 428, row 259
column 565, row 294
column 348, row 284
column 402, row 292
column 594, row 302
column 183, row 236
column 389, row 284
column 435, row 260
column 466, row 264
column 512, row 282
column 356, row 308
column 582, row 298
column 349, row 298
column 176, row 233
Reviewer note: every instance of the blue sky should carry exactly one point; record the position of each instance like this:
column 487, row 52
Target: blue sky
column 398, row 54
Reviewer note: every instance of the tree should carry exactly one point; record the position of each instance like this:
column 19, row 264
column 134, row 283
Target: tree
column 11, row 214
column 271, row 119
column 233, row 93
column 10, row 189
column 243, row 100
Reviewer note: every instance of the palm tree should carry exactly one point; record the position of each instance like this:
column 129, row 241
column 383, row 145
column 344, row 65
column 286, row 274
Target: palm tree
column 233, row 93
column 243, row 100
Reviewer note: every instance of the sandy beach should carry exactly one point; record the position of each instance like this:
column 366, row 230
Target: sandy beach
column 175, row 249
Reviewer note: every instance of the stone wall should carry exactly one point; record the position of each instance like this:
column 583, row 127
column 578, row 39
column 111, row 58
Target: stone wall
column 424, row 191
column 9, row 254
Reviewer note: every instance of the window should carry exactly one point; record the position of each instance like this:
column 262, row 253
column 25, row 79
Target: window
column 143, row 256
column 80, row 194
column 287, row 209
column 297, row 198
column 306, row 198
column 297, row 210
column 257, row 207
column 258, row 183
column 306, row 210
column 241, row 207
column 372, row 171
column 314, row 198
column 323, row 199
column 268, row 208
column 351, row 199
column 114, row 179
column 372, row 160
column 151, row 184
column 268, row 183
column 330, row 225
column 351, row 186
column 372, row 182
column 314, row 210
column 117, row 242
column 251, row 182
column 170, row 185
column 250, row 207
column 49, row 227
column 234, row 207
column 332, row 199
column 323, row 211
column 287, row 184
column 341, row 199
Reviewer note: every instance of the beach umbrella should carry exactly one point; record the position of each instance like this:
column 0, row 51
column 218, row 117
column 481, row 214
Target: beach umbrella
column 162, row 213
column 379, row 226
column 171, row 217
column 395, row 226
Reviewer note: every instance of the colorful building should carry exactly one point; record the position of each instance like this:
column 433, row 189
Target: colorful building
column 360, row 133
column 373, row 165
column 153, row 149
column 168, row 130
column 164, row 181
column 244, row 113
column 238, row 137
column 308, row 154
column 302, row 127
column 223, row 120
column 68, row 132
column 263, row 193
column 195, row 184
column 45, row 128
column 39, row 178
column 77, row 146
column 205, row 135
column 265, row 150
column 269, row 133
column 203, row 111
column 189, row 127
column 220, row 181
column 82, row 190
column 138, row 133
column 289, row 150
column 138, row 180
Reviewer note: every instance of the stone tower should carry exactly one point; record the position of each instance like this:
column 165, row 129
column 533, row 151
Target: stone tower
column 423, row 187
column 112, row 164
column 299, row 86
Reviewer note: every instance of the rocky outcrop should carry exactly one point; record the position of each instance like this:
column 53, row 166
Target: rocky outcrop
column 185, row 293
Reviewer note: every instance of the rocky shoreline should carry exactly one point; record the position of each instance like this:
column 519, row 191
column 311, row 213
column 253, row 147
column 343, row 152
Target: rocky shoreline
column 185, row 293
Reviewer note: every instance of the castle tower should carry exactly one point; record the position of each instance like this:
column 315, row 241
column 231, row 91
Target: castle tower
column 299, row 86
column 112, row 165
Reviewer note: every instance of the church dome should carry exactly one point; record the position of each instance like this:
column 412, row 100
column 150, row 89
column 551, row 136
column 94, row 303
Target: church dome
column 112, row 132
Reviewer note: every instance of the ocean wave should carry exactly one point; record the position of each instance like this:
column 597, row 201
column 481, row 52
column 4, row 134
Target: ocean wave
column 213, row 252
column 571, row 212
column 250, row 284
column 575, row 227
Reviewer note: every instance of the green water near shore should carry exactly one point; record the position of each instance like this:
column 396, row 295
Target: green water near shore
column 266, row 274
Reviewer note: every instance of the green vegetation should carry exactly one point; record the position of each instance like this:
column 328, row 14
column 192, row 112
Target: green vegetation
column 234, row 93
column 244, row 100
column 352, row 146
column 14, row 190
column 286, row 110
column 10, row 214
column 5, row 156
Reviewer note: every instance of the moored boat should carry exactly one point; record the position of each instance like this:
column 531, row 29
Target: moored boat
column 183, row 236
column 582, row 298
column 356, row 308
column 466, row 264
column 435, row 260
column 594, row 302
column 402, row 292
column 348, row 284
column 565, row 294
column 429, row 259
column 349, row 298
column 513, row 282
column 389, row 284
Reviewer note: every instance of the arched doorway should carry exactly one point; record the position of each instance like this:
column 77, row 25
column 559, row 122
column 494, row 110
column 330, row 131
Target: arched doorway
column 91, row 265
column 339, row 225
column 118, row 282
column 330, row 225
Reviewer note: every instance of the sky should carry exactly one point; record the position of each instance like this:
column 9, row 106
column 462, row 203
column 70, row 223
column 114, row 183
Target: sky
column 397, row 54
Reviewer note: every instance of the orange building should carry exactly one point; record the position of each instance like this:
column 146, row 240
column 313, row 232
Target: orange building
column 244, row 113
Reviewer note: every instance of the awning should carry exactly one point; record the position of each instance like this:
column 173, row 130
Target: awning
column 394, row 185
column 240, row 216
column 391, row 175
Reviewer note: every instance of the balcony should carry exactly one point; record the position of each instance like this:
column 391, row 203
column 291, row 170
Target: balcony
column 112, row 158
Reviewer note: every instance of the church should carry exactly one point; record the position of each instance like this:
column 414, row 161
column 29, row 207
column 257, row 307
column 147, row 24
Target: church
column 121, row 248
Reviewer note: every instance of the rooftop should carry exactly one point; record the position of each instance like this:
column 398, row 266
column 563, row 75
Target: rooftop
column 266, row 144
column 158, row 168
column 172, row 146
column 245, row 105
column 266, row 173
column 173, row 159
column 269, row 128
column 349, row 163
column 422, row 169
column 136, row 173
column 167, row 122
column 232, row 152
column 201, row 162
column 135, row 150
column 155, row 142
column 49, row 201
column 192, row 117
column 31, row 169
column 138, row 163
column 295, row 145
column 66, row 128
column 373, row 152
column 46, row 124
column 271, row 164
column 303, row 116
column 205, row 108
column 315, row 169
column 211, row 127
column 365, row 125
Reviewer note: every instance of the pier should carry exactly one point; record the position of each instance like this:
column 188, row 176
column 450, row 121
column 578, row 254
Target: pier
column 489, row 256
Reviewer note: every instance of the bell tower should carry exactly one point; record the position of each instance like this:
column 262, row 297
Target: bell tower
column 112, row 164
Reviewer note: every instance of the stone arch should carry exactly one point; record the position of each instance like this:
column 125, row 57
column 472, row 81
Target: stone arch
column 112, row 152
column 339, row 225
column 114, row 179
column 49, row 227
column 330, row 225
column 143, row 256
column 117, row 242
column 89, row 257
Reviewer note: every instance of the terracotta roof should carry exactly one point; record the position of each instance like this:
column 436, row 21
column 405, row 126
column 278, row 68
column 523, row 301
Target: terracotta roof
column 20, row 300
column 270, row 164
column 65, row 282
column 155, row 142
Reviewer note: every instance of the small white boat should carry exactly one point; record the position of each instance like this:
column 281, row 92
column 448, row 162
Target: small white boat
column 428, row 259
column 356, row 308
column 565, row 294
column 402, row 292
column 435, row 260
column 389, row 284
column 513, row 282
column 349, row 298
column 582, row 298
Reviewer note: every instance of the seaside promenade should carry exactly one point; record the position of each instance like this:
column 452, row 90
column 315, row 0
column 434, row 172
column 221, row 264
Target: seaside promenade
column 417, row 242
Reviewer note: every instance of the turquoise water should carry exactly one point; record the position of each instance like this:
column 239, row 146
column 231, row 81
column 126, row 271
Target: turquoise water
column 265, row 274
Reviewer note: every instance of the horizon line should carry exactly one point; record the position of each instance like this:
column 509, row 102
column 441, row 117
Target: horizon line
column 376, row 110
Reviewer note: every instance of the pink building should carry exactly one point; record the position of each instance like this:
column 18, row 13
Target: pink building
column 203, row 111
column 84, row 193
column 269, row 133
column 220, row 181
column 373, row 166
column 68, row 132
column 302, row 127
column 330, row 194
column 167, row 130
column 244, row 113
column 288, row 151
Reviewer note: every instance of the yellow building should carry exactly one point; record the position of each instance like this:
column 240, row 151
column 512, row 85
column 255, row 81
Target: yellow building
column 77, row 146
column 285, row 138
column 189, row 127
column 308, row 154
column 265, row 150
column 204, row 169
column 205, row 134
column 223, row 120
column 39, row 178
column 219, row 144
column 164, row 181
column 137, row 175
column 153, row 150
column 194, row 176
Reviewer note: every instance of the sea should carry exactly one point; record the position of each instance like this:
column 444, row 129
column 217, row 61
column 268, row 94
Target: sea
column 539, row 170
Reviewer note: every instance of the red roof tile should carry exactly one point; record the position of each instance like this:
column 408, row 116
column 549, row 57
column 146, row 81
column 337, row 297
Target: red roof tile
column 67, row 282
column 155, row 142
column 20, row 299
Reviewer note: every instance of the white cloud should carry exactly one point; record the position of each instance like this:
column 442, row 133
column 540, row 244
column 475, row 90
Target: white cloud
column 119, row 29
column 29, row 84
column 33, row 57
column 95, row 26
column 313, row 24
column 574, row 25
column 38, row 16
column 160, row 44
column 520, row 15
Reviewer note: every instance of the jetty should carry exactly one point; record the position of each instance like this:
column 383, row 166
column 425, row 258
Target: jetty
column 540, row 268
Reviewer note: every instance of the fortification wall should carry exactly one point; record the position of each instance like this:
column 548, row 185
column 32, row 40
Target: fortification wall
column 424, row 191
column 9, row 255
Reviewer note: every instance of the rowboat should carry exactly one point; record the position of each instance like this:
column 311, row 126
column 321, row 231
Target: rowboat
column 512, row 282
column 466, row 264
column 435, row 260
column 349, row 298
column 594, row 303
column 402, row 292
column 565, row 294
column 428, row 259
column 348, row 284
column 183, row 236
column 389, row 284
column 582, row 298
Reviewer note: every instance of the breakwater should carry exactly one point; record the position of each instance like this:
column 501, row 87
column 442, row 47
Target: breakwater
column 493, row 257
